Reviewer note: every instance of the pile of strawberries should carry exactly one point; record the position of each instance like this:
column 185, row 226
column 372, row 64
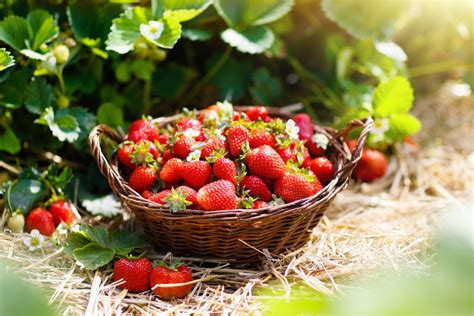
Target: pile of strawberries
column 221, row 159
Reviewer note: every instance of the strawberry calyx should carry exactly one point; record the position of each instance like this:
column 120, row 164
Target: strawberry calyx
column 141, row 154
column 246, row 201
column 216, row 154
column 176, row 201
column 173, row 264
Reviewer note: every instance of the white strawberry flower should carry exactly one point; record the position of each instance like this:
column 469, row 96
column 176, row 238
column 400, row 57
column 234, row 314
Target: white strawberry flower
column 320, row 140
column 194, row 155
column 191, row 133
column 226, row 108
column 152, row 30
column 292, row 129
column 34, row 240
column 379, row 129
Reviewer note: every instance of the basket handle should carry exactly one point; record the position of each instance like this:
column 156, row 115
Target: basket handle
column 105, row 168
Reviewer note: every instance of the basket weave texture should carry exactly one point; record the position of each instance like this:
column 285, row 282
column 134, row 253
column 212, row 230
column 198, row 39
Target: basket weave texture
column 233, row 235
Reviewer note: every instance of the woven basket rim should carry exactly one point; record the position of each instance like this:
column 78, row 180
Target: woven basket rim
column 345, row 163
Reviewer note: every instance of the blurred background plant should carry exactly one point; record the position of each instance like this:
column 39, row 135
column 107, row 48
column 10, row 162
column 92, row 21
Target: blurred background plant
column 67, row 65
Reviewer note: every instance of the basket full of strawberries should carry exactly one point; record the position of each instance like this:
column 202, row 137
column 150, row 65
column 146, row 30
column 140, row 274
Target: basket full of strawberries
column 224, row 181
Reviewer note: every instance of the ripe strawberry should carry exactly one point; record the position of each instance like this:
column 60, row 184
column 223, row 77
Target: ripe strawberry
column 241, row 116
column 256, row 187
column 323, row 168
column 188, row 123
column 190, row 194
column 158, row 197
column 147, row 194
column 257, row 112
column 371, row 166
column 212, row 145
column 123, row 154
column 237, row 136
column 166, row 155
column 142, row 178
column 291, row 187
column 287, row 154
column 265, row 162
column 163, row 138
column 171, row 275
column 259, row 204
column 217, row 195
column 303, row 121
column 314, row 149
column 171, row 169
column 142, row 129
column 42, row 220
column 196, row 173
column 183, row 146
column 225, row 169
column 260, row 137
column 62, row 212
column 136, row 274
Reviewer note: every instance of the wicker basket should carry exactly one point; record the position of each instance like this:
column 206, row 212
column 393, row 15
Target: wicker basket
column 233, row 235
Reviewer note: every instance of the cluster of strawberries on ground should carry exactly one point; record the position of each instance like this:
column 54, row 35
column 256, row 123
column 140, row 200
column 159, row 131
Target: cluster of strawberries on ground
column 222, row 159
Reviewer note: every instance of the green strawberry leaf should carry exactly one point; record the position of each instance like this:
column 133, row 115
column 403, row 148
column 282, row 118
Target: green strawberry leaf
column 15, row 31
column 403, row 124
column 125, row 30
column 75, row 241
column 24, row 194
column 84, row 118
column 393, row 96
column 13, row 90
column 171, row 32
column 110, row 114
column 62, row 125
column 183, row 10
column 253, row 40
column 6, row 60
column 58, row 179
column 200, row 35
column 246, row 13
column 9, row 142
column 266, row 88
column 39, row 96
column 93, row 256
column 123, row 242
column 232, row 80
column 98, row 235
column 43, row 27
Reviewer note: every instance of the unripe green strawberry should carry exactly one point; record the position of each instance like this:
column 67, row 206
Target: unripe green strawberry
column 61, row 53
column 16, row 222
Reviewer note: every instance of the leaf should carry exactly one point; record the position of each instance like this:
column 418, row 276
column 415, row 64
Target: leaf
column 232, row 79
column 266, row 88
column 92, row 256
column 24, row 194
column 124, row 242
column 125, row 30
column 43, row 26
column 392, row 50
column 6, row 60
column 110, row 114
column 9, row 142
column 197, row 34
column 34, row 55
column 252, row 40
column 142, row 69
column 106, row 205
column 39, row 95
column 171, row 80
column 344, row 59
column 246, row 13
column 183, row 10
column 84, row 118
column 75, row 241
column 363, row 18
column 393, row 96
column 171, row 32
column 64, row 126
column 15, row 31
column 13, row 90
column 58, row 179
column 98, row 235
column 403, row 124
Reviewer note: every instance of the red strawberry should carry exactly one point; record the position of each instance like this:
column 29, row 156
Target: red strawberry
column 291, row 187
column 62, row 212
column 241, row 116
column 217, row 195
column 191, row 195
column 196, row 173
column 371, row 166
column 225, row 169
column 237, row 136
column 188, row 123
column 42, row 220
column 256, row 187
column 171, row 169
column 159, row 197
column 212, row 145
column 165, row 275
column 135, row 273
column 261, row 137
column 323, row 168
column 142, row 129
column 303, row 121
column 265, row 162
column 142, row 178
column 259, row 204
column 147, row 194
column 163, row 138
column 183, row 146
column 314, row 149
column 167, row 155
column 257, row 112
column 287, row 154
column 123, row 155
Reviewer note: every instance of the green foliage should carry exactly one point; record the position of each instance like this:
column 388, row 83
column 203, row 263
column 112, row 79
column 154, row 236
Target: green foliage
column 39, row 96
column 6, row 60
column 9, row 142
column 94, row 247
column 266, row 89
column 252, row 40
column 125, row 30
